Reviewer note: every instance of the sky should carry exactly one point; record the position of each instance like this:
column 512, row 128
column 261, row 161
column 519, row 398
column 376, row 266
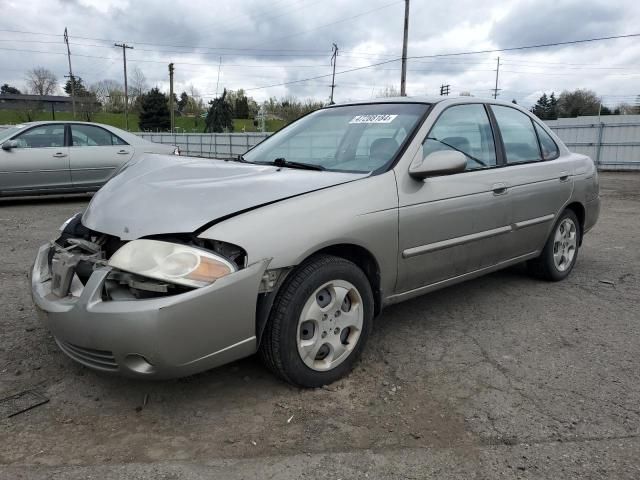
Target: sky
column 258, row 45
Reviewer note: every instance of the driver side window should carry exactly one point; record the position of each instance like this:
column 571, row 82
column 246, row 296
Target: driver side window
column 44, row 136
column 464, row 128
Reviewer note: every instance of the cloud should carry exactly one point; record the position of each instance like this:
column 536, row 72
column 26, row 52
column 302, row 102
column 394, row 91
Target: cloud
column 264, row 43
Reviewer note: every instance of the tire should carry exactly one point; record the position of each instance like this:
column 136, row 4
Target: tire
column 306, row 351
column 560, row 253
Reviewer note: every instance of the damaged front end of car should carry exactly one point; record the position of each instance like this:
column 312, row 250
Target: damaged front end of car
column 162, row 307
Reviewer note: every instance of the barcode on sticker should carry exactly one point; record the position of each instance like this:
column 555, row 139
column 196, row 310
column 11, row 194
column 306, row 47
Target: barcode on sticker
column 373, row 118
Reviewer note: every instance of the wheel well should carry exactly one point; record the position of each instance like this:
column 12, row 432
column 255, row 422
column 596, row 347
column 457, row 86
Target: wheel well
column 578, row 209
column 365, row 260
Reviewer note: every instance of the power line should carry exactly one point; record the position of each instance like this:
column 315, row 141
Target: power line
column 476, row 52
column 337, row 21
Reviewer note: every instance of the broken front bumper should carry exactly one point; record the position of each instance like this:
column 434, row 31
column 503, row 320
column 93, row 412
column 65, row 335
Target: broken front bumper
column 164, row 337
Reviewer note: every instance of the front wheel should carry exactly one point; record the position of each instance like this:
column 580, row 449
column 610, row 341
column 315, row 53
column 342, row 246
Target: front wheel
column 319, row 323
column 561, row 250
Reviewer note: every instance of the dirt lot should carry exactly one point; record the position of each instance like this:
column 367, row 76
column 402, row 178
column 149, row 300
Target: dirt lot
column 501, row 377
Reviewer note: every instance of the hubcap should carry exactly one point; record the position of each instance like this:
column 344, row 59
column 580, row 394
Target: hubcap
column 330, row 324
column 565, row 244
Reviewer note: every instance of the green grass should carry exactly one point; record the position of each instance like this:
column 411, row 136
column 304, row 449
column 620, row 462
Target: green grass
column 183, row 124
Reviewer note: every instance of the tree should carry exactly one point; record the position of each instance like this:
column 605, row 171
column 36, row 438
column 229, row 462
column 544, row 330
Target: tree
column 41, row 81
column 625, row 108
column 553, row 107
column 78, row 87
column 242, row 107
column 7, row 89
column 220, row 115
column 154, row 112
column 546, row 107
column 541, row 108
column 578, row 102
column 389, row 91
column 109, row 93
column 182, row 103
column 137, row 87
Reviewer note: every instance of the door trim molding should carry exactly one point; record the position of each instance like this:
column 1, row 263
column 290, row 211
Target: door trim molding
column 453, row 242
column 533, row 221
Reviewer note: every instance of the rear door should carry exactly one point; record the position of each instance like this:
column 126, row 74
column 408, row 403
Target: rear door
column 539, row 181
column 39, row 162
column 455, row 224
column 95, row 153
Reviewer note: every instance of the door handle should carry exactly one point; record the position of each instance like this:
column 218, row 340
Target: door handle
column 564, row 176
column 59, row 155
column 123, row 152
column 499, row 188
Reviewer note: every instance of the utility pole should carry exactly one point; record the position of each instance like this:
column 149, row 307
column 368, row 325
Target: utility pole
column 218, row 81
column 124, row 47
column 403, row 75
column 495, row 90
column 71, row 78
column 444, row 90
column 173, row 120
column 334, row 58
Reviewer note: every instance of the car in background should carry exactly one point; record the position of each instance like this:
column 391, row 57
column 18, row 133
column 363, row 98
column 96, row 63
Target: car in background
column 66, row 157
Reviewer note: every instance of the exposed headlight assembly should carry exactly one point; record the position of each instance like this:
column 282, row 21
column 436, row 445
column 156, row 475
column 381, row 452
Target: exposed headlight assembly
column 171, row 262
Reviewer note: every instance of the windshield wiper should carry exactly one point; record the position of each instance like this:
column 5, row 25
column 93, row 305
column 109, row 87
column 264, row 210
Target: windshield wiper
column 477, row 160
column 283, row 162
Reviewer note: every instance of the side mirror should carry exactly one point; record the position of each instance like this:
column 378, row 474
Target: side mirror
column 9, row 144
column 442, row 162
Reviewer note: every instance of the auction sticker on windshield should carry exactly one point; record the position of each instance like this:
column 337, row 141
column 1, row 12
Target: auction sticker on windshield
column 373, row 118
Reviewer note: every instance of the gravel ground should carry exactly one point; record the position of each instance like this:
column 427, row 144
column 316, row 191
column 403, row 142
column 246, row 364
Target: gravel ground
column 500, row 377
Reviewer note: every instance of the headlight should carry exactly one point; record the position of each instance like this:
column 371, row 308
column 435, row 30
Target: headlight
column 171, row 262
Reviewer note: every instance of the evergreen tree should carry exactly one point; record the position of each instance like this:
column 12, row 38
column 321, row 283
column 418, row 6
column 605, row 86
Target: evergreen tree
column 154, row 112
column 8, row 89
column 541, row 108
column 220, row 115
column 78, row 85
column 183, row 102
column 552, row 113
column 242, row 107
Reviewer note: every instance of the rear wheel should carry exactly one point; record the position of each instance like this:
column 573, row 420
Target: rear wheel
column 561, row 250
column 319, row 323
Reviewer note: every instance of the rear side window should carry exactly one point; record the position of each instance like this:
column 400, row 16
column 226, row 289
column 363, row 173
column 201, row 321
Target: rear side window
column 92, row 136
column 519, row 137
column 549, row 148
column 464, row 128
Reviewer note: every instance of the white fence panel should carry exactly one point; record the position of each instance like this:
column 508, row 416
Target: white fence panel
column 209, row 145
column 613, row 141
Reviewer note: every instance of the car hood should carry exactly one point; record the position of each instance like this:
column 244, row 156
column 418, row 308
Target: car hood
column 168, row 194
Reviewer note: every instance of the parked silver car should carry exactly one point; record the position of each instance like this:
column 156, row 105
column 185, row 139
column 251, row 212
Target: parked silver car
column 66, row 157
column 178, row 266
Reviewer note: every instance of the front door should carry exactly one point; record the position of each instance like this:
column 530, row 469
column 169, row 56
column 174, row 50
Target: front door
column 453, row 224
column 40, row 161
column 95, row 154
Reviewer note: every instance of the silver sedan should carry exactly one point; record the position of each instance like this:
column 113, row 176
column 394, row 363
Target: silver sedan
column 66, row 157
column 291, row 251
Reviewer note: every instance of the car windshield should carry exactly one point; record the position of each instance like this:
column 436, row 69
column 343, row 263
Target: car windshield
column 9, row 132
column 354, row 138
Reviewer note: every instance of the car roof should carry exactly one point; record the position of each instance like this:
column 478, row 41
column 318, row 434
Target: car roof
column 57, row 122
column 129, row 137
column 426, row 99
